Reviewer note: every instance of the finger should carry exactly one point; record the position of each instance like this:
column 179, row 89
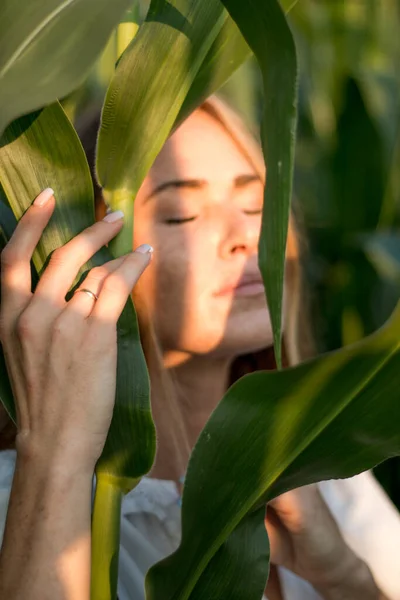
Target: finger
column 117, row 287
column 17, row 254
column 279, row 538
column 66, row 261
column 81, row 304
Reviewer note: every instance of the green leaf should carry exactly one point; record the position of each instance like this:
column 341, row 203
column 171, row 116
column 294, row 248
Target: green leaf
column 226, row 54
column 358, row 165
column 331, row 417
column 264, row 27
column 244, row 554
column 163, row 61
column 43, row 150
column 229, row 51
column 128, row 27
column 47, row 47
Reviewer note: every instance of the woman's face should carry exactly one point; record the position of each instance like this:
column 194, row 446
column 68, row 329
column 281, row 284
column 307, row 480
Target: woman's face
column 200, row 208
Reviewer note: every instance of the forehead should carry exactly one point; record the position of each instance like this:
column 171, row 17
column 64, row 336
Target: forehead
column 200, row 149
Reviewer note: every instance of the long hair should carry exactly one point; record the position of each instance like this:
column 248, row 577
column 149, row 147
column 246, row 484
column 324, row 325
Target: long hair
column 297, row 336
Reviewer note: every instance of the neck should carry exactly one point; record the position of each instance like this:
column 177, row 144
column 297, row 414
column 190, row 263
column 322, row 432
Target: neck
column 199, row 383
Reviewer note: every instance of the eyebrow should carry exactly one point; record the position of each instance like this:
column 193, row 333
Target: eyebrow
column 197, row 184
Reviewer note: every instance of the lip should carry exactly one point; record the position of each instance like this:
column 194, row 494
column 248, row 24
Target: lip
column 250, row 284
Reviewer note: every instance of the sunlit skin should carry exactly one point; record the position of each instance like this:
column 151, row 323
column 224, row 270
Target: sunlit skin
column 200, row 209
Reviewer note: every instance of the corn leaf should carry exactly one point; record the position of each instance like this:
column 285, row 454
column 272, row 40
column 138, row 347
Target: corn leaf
column 163, row 60
column 264, row 27
column 331, row 417
column 47, row 47
column 244, row 555
column 227, row 53
column 41, row 150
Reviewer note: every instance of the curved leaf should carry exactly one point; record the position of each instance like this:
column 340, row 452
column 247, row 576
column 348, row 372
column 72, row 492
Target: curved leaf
column 47, row 48
column 238, row 569
column 331, row 417
column 163, row 60
column 226, row 54
column 264, row 27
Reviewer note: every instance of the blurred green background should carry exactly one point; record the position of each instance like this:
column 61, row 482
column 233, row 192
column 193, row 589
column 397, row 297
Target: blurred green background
column 347, row 172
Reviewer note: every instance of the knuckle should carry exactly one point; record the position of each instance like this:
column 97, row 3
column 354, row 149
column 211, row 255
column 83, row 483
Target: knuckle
column 25, row 326
column 61, row 329
column 93, row 230
column 58, row 257
column 9, row 256
column 138, row 259
column 115, row 284
column 99, row 273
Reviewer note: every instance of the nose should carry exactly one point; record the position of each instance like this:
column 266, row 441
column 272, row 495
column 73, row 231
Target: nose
column 240, row 233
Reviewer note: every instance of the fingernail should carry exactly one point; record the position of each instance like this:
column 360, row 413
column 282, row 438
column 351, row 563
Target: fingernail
column 145, row 249
column 114, row 216
column 43, row 197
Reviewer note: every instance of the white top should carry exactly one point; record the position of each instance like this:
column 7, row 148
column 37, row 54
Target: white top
column 150, row 530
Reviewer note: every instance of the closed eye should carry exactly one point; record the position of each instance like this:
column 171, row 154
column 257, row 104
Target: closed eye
column 258, row 211
column 180, row 221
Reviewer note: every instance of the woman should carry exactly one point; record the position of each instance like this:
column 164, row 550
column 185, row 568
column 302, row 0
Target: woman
column 200, row 209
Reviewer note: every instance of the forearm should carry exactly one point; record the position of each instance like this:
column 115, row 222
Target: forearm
column 46, row 548
column 356, row 582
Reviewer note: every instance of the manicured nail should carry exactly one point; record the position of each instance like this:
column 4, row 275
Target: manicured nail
column 145, row 249
column 114, row 216
column 43, row 197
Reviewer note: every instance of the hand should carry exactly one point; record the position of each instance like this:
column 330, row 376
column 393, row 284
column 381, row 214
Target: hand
column 305, row 538
column 61, row 356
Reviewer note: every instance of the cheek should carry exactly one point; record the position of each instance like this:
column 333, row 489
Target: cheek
column 180, row 294
column 168, row 282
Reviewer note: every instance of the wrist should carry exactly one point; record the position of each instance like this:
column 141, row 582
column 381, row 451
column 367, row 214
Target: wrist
column 352, row 579
column 52, row 460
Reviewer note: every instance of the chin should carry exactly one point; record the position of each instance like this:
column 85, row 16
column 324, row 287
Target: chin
column 245, row 334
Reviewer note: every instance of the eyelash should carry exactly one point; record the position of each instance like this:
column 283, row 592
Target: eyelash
column 189, row 219
column 258, row 211
column 180, row 221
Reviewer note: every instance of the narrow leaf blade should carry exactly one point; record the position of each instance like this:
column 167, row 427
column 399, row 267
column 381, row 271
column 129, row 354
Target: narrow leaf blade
column 226, row 54
column 264, row 27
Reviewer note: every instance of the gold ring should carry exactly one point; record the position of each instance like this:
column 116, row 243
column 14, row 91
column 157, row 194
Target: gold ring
column 88, row 292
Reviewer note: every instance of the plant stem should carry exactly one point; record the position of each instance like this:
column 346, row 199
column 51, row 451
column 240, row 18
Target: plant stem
column 105, row 539
column 121, row 200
